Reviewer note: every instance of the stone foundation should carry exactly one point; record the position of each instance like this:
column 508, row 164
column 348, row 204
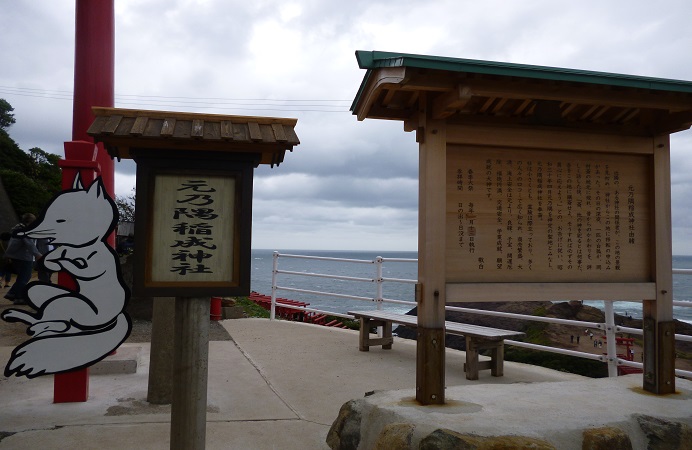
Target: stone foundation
column 599, row 414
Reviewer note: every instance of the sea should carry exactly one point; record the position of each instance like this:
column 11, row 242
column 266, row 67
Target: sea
column 360, row 266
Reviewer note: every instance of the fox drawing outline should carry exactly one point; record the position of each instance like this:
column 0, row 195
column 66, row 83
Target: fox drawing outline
column 72, row 329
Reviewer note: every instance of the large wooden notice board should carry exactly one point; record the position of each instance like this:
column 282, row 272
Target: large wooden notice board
column 568, row 223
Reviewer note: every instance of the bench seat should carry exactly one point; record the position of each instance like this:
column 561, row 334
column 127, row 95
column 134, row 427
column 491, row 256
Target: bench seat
column 477, row 338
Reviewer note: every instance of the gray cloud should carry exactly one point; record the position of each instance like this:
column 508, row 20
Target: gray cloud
column 349, row 184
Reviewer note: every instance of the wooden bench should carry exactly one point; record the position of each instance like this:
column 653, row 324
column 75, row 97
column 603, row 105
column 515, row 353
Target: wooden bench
column 477, row 338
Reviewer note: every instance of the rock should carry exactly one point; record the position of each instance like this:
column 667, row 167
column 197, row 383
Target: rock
column 344, row 433
column 664, row 434
column 606, row 438
column 233, row 312
column 395, row 436
column 442, row 439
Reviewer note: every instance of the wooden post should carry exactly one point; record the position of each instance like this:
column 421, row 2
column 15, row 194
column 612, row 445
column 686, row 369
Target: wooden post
column 659, row 330
column 190, row 369
column 160, row 388
column 430, row 292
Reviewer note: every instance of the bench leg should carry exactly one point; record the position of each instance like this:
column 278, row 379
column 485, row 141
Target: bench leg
column 365, row 341
column 497, row 357
column 471, row 366
column 387, row 334
column 364, row 337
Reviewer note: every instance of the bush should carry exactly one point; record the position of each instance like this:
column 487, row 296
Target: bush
column 563, row 363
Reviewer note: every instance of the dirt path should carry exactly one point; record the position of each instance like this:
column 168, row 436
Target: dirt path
column 571, row 338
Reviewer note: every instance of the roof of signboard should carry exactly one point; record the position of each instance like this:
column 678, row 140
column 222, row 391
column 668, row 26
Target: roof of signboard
column 460, row 88
column 122, row 130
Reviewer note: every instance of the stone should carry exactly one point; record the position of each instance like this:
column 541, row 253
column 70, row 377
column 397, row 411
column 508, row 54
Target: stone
column 233, row 312
column 227, row 302
column 664, row 434
column 124, row 361
column 442, row 439
column 344, row 433
column 606, row 438
column 395, row 436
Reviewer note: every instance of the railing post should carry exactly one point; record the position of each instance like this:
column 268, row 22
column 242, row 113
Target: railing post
column 611, row 339
column 378, row 280
column 275, row 267
column 378, row 293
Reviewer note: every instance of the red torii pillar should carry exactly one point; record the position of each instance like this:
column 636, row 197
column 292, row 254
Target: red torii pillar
column 94, row 73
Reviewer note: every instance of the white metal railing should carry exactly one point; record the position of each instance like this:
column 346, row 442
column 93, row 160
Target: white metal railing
column 609, row 327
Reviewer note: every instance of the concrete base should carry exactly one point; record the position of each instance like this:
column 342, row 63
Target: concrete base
column 124, row 361
column 560, row 414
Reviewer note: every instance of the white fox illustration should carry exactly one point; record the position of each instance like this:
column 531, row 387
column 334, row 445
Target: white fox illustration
column 73, row 329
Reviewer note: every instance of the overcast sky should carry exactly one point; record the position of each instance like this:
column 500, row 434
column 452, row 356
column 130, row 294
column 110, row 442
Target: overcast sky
column 349, row 185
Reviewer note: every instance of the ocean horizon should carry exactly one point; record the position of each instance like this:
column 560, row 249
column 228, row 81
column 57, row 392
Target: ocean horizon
column 262, row 266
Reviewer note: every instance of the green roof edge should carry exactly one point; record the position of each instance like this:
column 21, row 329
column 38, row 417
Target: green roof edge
column 376, row 59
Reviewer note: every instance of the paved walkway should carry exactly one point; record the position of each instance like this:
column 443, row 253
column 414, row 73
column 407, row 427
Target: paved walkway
column 277, row 385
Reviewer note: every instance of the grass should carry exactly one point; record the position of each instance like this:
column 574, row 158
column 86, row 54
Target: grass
column 251, row 308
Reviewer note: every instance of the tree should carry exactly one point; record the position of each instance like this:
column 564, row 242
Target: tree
column 6, row 116
column 44, row 167
column 126, row 206
column 30, row 179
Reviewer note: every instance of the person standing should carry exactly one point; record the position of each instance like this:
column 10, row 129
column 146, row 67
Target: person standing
column 21, row 251
column 43, row 246
column 5, row 263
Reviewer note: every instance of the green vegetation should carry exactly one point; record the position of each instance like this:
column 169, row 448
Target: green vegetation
column 563, row 363
column 536, row 334
column 126, row 206
column 251, row 308
column 30, row 178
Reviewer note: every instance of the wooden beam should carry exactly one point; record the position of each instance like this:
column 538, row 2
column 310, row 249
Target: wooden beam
column 582, row 94
column 446, row 104
column 659, row 333
column 430, row 367
column 379, row 79
column 546, row 138
column 507, row 292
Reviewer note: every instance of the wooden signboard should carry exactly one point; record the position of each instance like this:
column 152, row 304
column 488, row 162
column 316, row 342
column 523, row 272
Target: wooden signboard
column 539, row 216
column 193, row 217
column 196, row 228
column 535, row 183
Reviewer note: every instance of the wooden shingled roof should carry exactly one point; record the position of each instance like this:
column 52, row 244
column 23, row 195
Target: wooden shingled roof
column 124, row 131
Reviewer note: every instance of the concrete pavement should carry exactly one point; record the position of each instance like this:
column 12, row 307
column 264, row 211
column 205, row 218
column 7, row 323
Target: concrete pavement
column 277, row 385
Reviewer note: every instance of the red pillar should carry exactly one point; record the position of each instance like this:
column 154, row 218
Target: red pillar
column 94, row 73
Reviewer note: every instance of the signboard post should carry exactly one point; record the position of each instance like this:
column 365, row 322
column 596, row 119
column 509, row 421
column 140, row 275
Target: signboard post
column 557, row 187
column 193, row 225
